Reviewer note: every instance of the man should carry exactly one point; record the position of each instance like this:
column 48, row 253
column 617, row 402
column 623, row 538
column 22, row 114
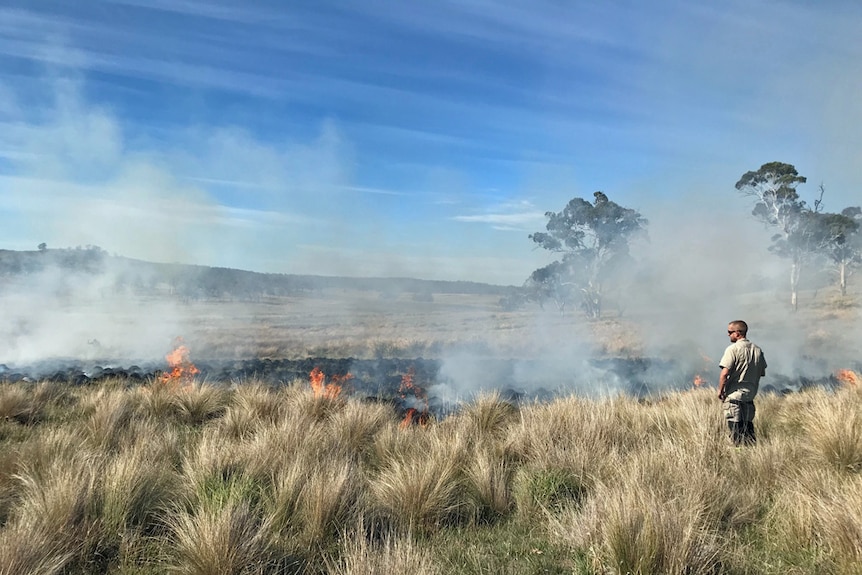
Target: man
column 742, row 366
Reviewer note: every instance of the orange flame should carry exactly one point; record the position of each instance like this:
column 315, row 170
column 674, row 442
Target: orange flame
column 330, row 390
column 413, row 415
column 698, row 380
column 848, row 377
column 182, row 370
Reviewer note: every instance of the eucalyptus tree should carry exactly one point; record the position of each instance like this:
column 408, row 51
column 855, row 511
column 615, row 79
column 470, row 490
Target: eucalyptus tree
column 777, row 204
column 593, row 242
column 842, row 245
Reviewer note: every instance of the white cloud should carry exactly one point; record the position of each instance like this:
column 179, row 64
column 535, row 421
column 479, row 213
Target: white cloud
column 507, row 219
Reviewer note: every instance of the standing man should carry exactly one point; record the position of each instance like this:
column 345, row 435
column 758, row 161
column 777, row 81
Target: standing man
column 742, row 366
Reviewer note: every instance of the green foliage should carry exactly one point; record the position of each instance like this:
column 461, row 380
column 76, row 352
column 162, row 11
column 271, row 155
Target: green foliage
column 547, row 488
column 804, row 232
column 842, row 242
column 510, row 548
column 774, row 187
column 777, row 204
column 594, row 242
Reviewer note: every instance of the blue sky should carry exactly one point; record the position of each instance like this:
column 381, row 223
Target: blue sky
column 391, row 138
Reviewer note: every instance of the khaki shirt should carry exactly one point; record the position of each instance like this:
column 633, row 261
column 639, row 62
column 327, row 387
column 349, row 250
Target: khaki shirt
column 746, row 364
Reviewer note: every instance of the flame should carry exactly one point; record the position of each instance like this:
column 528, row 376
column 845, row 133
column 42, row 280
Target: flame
column 698, row 380
column 181, row 369
column 330, row 390
column 848, row 377
column 414, row 417
column 408, row 386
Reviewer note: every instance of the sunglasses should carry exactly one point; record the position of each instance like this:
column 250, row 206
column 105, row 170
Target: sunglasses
column 732, row 332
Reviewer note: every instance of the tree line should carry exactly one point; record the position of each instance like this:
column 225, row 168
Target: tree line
column 593, row 241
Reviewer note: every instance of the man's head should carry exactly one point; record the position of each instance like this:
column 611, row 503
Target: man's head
column 737, row 330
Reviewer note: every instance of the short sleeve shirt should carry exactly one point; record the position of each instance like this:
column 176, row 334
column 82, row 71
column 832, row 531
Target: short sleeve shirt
column 746, row 364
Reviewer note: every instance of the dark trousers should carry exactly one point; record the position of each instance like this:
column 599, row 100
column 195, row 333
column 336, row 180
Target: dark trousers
column 742, row 432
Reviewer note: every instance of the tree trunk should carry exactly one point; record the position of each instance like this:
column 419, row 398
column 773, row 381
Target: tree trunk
column 843, row 279
column 593, row 301
column 794, row 284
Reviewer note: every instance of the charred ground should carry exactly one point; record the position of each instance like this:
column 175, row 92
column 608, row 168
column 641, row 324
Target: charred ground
column 80, row 316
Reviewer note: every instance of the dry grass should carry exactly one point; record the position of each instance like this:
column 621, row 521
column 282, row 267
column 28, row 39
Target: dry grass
column 392, row 554
column 419, row 490
column 121, row 479
column 224, row 540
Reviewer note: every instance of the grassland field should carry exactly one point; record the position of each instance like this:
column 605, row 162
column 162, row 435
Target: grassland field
column 210, row 479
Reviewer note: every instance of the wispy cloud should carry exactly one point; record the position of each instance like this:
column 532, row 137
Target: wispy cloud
column 390, row 121
column 517, row 216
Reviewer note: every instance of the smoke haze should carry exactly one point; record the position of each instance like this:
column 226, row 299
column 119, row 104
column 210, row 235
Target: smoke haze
column 386, row 140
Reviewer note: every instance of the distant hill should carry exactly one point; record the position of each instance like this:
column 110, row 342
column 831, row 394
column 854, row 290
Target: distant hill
column 203, row 282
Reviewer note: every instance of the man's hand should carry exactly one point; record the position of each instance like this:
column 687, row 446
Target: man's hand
column 722, row 382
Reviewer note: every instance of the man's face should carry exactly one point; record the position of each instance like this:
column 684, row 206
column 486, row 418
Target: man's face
column 733, row 333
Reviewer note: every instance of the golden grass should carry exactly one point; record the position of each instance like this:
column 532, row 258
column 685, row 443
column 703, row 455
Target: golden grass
column 210, row 479
column 392, row 554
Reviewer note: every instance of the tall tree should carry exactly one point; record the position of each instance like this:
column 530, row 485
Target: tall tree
column 593, row 239
column 777, row 204
column 842, row 242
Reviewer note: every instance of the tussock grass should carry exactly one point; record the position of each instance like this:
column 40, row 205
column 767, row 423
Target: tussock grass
column 421, row 490
column 488, row 481
column 118, row 478
column 137, row 488
column 199, row 403
column 489, row 416
column 224, row 540
column 30, row 403
column 157, row 400
column 28, row 549
column 834, row 426
column 252, row 407
column 58, row 504
column 299, row 398
column 354, row 428
column 15, row 403
column 392, row 554
column 110, row 413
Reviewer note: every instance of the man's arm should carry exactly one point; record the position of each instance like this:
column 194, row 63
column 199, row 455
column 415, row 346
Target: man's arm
column 722, row 381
